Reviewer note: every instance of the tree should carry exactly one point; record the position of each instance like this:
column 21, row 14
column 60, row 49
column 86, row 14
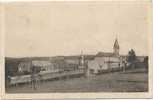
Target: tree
column 131, row 59
column 146, row 62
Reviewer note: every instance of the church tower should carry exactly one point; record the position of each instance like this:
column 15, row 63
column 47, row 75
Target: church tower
column 116, row 47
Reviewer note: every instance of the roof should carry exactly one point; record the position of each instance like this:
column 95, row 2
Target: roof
column 41, row 63
column 24, row 64
column 78, row 57
column 72, row 57
column 105, row 54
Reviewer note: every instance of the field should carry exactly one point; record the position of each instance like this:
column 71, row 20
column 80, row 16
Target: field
column 133, row 80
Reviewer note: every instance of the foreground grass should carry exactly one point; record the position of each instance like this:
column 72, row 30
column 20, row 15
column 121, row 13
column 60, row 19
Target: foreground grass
column 135, row 80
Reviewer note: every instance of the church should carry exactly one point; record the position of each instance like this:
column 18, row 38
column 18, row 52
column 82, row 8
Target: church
column 106, row 61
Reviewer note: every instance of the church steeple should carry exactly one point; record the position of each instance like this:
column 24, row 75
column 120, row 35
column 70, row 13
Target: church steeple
column 116, row 47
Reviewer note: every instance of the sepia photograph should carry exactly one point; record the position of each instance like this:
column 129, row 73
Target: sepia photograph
column 76, row 47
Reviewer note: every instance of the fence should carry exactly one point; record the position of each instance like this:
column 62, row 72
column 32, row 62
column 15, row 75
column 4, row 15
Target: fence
column 43, row 76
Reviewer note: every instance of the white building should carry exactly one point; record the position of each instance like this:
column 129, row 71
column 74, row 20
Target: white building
column 105, row 60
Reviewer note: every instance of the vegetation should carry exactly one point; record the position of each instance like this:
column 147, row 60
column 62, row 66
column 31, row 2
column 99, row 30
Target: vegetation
column 146, row 62
column 131, row 58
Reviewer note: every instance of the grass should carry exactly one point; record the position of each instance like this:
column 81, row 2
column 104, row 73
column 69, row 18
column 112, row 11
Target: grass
column 135, row 80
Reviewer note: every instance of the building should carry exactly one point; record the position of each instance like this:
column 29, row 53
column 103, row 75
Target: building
column 106, row 60
column 43, row 65
column 24, row 67
column 72, row 60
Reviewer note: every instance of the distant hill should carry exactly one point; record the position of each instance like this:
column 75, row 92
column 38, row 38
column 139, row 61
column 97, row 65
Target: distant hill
column 48, row 58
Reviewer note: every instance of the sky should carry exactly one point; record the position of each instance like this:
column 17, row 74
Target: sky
column 66, row 28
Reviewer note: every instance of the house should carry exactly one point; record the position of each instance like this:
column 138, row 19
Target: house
column 24, row 66
column 72, row 59
column 106, row 60
column 43, row 65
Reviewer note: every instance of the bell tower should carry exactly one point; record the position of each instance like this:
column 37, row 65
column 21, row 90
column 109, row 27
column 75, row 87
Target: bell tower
column 116, row 47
